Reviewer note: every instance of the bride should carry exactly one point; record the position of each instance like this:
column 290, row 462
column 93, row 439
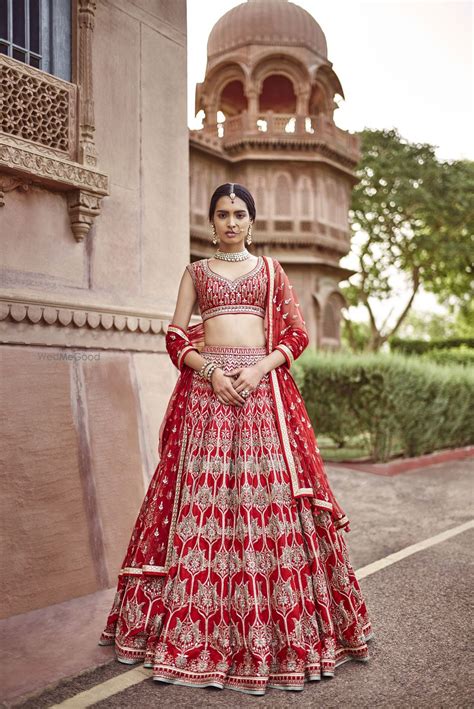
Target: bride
column 237, row 574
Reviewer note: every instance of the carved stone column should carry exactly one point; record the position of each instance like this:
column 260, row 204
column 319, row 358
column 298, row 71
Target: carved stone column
column 86, row 19
column 252, row 97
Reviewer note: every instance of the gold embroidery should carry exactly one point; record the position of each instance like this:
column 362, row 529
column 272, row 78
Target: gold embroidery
column 169, row 551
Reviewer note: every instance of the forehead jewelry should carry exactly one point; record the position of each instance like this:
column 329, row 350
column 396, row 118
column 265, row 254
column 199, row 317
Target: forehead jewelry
column 232, row 193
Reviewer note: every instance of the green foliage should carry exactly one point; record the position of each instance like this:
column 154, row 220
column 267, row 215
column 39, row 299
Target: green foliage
column 412, row 219
column 427, row 325
column 456, row 355
column 420, row 346
column 355, row 336
column 394, row 400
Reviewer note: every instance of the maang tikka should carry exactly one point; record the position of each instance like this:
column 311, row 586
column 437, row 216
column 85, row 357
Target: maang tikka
column 232, row 193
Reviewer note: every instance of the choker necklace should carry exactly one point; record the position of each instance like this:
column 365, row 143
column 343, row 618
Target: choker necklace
column 233, row 255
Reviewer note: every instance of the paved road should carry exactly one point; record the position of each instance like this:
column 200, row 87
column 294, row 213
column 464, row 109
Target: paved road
column 420, row 607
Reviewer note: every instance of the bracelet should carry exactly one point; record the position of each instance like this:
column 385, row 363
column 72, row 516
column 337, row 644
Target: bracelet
column 209, row 372
column 202, row 371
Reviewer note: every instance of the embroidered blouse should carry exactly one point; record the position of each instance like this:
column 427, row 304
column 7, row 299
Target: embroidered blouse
column 219, row 295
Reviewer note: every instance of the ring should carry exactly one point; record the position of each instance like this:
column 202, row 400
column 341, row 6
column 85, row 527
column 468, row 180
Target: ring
column 244, row 393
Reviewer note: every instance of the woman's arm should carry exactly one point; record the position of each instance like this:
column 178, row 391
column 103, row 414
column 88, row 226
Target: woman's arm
column 185, row 302
column 178, row 344
column 271, row 361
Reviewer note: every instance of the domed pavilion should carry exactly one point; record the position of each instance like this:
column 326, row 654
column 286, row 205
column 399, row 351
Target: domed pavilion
column 267, row 104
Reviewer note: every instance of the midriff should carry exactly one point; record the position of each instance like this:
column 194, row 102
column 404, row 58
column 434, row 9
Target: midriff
column 234, row 329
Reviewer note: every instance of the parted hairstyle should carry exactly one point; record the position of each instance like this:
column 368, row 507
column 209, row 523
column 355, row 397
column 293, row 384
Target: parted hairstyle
column 239, row 191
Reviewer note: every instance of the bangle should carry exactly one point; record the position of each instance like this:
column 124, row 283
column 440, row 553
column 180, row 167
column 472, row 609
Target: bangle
column 203, row 369
column 210, row 370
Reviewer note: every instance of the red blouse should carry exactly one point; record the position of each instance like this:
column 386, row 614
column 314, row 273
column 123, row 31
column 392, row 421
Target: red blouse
column 219, row 295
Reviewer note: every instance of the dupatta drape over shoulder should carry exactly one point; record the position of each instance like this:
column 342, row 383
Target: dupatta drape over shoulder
column 286, row 331
column 151, row 545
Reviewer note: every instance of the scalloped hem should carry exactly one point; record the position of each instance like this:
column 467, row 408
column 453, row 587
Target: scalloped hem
column 293, row 683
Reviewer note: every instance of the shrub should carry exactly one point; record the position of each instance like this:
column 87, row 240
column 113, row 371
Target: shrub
column 423, row 405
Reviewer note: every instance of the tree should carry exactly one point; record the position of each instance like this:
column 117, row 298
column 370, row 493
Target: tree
column 411, row 218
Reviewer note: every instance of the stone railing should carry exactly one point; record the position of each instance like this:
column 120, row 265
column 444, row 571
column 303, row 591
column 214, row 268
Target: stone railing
column 271, row 127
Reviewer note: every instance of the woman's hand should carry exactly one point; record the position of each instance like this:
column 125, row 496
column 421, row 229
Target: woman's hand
column 224, row 389
column 246, row 378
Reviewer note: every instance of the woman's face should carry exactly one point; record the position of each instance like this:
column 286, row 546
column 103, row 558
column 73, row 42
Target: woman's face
column 231, row 221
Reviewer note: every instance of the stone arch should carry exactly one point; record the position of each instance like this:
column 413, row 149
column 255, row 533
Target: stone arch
column 328, row 78
column 317, row 314
column 232, row 99
column 277, row 64
column 305, row 197
column 282, row 195
column 261, row 196
column 277, row 94
column 331, row 319
column 290, row 67
column 215, row 82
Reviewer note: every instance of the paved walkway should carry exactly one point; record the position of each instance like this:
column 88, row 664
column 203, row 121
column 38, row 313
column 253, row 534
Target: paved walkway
column 410, row 542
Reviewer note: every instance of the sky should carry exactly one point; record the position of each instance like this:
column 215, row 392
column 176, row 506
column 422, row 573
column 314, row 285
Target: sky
column 407, row 65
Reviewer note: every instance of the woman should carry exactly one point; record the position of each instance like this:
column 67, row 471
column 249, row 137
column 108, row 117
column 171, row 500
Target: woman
column 237, row 573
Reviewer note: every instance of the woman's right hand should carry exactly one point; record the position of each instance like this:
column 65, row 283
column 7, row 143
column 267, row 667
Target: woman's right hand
column 224, row 389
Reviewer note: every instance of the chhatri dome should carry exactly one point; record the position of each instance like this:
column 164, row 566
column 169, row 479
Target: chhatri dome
column 267, row 55
column 267, row 103
column 266, row 22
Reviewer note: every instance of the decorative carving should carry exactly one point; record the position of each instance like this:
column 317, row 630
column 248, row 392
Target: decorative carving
column 83, row 208
column 8, row 183
column 37, row 107
column 86, row 20
column 57, row 172
column 63, row 325
column 37, row 130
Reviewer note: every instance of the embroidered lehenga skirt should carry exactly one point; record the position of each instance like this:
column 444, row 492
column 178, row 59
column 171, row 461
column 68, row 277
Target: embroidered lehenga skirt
column 260, row 591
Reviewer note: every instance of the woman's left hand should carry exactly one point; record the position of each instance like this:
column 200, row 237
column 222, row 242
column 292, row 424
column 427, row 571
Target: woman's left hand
column 247, row 378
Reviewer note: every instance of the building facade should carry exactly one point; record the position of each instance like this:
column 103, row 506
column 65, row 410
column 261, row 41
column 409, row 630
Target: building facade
column 267, row 102
column 94, row 230
column 97, row 172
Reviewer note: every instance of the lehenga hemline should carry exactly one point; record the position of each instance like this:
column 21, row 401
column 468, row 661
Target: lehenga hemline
column 255, row 685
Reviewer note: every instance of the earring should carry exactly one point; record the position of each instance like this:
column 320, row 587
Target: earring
column 249, row 235
column 214, row 238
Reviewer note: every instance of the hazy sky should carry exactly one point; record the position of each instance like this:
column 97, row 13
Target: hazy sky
column 406, row 64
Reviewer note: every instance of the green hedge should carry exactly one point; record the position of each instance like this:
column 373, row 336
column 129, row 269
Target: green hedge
column 455, row 355
column 405, row 346
column 393, row 399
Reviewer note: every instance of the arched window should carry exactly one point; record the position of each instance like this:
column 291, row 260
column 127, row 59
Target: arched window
column 283, row 192
column 232, row 98
column 261, row 196
column 305, row 198
column 38, row 33
column 278, row 94
column 331, row 317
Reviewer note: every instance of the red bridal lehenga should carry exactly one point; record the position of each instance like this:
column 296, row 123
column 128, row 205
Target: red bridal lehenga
column 237, row 573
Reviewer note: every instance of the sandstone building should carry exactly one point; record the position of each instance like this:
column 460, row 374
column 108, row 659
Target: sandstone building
column 97, row 172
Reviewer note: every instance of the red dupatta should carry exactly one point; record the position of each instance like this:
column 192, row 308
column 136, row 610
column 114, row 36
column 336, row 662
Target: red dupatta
column 151, row 544
column 286, row 331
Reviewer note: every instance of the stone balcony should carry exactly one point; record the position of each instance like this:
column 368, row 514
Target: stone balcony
column 282, row 130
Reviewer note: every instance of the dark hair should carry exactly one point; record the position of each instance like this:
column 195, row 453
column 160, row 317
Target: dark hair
column 239, row 191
